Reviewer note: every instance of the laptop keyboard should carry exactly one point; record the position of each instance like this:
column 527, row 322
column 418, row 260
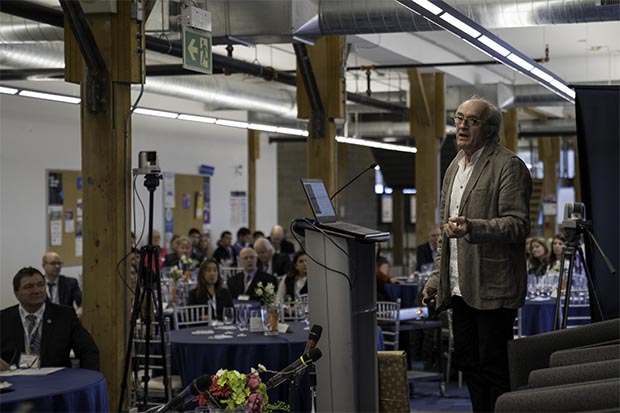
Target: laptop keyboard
column 345, row 226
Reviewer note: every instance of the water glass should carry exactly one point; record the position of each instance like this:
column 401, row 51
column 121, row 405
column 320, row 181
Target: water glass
column 229, row 315
column 243, row 315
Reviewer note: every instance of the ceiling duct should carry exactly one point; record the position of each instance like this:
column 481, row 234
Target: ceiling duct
column 15, row 29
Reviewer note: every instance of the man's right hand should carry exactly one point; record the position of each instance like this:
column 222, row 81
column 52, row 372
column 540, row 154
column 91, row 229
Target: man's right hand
column 4, row 366
column 428, row 296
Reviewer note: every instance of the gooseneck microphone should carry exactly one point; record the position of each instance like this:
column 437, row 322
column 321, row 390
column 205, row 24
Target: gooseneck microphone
column 201, row 384
column 353, row 180
column 294, row 368
column 313, row 337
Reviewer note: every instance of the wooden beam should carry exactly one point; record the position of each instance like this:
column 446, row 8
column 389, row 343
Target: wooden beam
column 508, row 137
column 549, row 154
column 106, row 178
column 397, row 226
column 326, row 59
column 427, row 140
column 419, row 100
column 253, row 155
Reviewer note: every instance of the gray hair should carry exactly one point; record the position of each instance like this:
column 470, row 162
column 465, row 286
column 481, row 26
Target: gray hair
column 491, row 118
column 266, row 243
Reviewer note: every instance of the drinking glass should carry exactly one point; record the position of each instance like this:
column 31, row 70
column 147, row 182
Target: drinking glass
column 243, row 316
column 229, row 315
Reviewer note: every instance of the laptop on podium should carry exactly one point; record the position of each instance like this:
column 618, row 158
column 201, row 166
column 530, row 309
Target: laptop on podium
column 325, row 214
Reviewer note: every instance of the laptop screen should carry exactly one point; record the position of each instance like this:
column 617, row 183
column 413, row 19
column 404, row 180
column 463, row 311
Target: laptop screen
column 318, row 198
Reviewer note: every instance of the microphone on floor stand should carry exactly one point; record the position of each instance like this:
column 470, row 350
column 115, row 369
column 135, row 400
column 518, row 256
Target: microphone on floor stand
column 294, row 368
column 177, row 404
column 374, row 165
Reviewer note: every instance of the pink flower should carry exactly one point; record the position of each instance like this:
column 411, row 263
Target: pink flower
column 253, row 381
column 255, row 403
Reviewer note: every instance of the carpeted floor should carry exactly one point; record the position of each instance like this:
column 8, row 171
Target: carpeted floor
column 427, row 398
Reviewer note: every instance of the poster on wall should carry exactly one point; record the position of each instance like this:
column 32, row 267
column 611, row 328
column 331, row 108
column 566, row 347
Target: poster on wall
column 55, row 193
column 69, row 222
column 238, row 209
column 55, row 213
column 412, row 211
column 168, row 190
column 78, row 228
column 206, row 205
column 386, row 209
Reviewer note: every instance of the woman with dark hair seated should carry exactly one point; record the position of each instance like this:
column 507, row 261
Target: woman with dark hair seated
column 295, row 282
column 538, row 260
column 210, row 289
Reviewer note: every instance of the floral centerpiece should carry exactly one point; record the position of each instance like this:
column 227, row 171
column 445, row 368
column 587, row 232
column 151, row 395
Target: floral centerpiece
column 187, row 264
column 267, row 296
column 175, row 275
column 234, row 391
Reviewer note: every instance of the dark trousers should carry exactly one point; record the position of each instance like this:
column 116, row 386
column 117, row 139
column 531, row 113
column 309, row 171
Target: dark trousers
column 480, row 351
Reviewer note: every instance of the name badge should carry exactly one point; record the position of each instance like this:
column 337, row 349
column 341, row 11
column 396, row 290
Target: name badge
column 243, row 297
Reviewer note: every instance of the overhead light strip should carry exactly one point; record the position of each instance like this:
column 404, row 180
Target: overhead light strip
column 49, row 96
column 375, row 144
column 450, row 19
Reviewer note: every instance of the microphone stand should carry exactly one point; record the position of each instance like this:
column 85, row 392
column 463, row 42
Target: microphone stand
column 312, row 379
column 352, row 180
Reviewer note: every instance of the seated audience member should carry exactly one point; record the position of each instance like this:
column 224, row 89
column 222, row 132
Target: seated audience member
column 537, row 263
column 296, row 281
column 279, row 242
column 244, row 239
column 182, row 248
column 425, row 253
column 224, row 253
column 205, row 246
column 44, row 331
column 269, row 261
column 244, row 282
column 163, row 251
column 210, row 289
column 555, row 257
column 256, row 235
column 60, row 289
column 383, row 268
column 197, row 253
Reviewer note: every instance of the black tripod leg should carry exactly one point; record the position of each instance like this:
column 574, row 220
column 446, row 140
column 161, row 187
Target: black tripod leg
column 569, row 282
column 591, row 285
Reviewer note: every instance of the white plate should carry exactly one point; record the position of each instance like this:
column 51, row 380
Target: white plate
column 5, row 385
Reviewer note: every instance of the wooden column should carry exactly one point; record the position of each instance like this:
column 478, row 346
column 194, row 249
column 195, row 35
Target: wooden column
column 509, row 133
column 549, row 153
column 253, row 155
column 428, row 122
column 341, row 177
column 326, row 59
column 106, row 178
column 577, row 180
column 398, row 223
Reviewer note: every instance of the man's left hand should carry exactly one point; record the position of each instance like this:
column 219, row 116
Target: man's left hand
column 456, row 227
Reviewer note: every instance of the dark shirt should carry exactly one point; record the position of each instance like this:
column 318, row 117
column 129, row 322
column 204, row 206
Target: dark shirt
column 223, row 253
column 222, row 299
column 236, row 284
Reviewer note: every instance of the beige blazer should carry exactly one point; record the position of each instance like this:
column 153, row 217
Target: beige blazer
column 491, row 257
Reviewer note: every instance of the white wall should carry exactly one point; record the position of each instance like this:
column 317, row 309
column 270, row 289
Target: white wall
column 37, row 135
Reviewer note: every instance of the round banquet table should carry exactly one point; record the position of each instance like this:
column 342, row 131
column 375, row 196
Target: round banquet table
column 67, row 390
column 407, row 293
column 537, row 316
column 196, row 354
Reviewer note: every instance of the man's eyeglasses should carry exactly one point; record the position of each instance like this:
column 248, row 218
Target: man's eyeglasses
column 458, row 119
column 55, row 263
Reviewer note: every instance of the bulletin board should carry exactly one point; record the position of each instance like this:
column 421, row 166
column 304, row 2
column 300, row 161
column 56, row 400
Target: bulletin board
column 64, row 214
column 188, row 203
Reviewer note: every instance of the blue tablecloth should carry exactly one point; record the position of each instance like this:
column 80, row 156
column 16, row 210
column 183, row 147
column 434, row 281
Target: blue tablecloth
column 67, row 390
column 537, row 316
column 197, row 354
column 406, row 292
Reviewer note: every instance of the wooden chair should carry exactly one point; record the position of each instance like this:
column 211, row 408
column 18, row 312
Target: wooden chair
column 388, row 318
column 191, row 316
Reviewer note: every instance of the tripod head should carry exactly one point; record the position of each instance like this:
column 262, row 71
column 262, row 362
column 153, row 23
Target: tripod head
column 574, row 223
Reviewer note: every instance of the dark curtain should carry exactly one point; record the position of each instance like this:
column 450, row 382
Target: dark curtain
column 598, row 137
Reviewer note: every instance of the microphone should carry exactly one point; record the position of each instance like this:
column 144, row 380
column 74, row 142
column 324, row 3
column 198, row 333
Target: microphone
column 294, row 368
column 201, row 384
column 313, row 337
column 353, row 180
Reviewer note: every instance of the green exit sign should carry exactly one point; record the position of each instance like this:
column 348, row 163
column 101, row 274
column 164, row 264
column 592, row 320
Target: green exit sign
column 197, row 50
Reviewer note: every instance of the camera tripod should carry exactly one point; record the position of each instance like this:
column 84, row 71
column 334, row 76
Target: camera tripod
column 147, row 297
column 573, row 233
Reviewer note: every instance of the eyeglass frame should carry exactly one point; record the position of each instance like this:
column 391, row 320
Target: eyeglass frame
column 469, row 121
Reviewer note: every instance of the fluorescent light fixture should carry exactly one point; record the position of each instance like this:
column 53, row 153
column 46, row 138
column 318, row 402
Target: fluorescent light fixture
column 232, row 123
column 409, row 191
column 264, row 128
column 194, row 118
column 520, row 62
column 292, row 131
column 377, row 168
column 375, row 144
column 428, row 6
column 50, row 96
column 464, row 27
column 156, row 113
column 563, row 88
column 8, row 90
column 493, row 45
column 388, row 190
column 543, row 75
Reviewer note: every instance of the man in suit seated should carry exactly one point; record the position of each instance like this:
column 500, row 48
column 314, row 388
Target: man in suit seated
column 279, row 242
column 60, row 289
column 244, row 282
column 42, row 331
column 270, row 261
column 425, row 253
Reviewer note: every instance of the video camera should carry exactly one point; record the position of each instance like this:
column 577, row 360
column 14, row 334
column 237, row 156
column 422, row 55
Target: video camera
column 147, row 164
column 574, row 222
